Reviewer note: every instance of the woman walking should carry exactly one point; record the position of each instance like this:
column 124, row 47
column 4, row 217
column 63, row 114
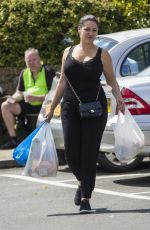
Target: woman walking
column 82, row 66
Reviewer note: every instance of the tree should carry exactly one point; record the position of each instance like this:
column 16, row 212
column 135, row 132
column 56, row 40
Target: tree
column 31, row 23
column 131, row 14
column 50, row 24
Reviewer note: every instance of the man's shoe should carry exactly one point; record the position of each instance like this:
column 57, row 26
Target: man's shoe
column 85, row 207
column 77, row 198
column 11, row 144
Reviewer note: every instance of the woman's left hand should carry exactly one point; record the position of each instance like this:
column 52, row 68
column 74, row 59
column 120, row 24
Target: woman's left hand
column 121, row 105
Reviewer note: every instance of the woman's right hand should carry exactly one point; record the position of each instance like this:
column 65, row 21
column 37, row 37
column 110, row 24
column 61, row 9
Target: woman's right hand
column 49, row 115
column 120, row 105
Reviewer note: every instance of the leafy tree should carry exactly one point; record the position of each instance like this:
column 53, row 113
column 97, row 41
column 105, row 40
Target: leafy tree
column 49, row 24
column 31, row 23
column 131, row 14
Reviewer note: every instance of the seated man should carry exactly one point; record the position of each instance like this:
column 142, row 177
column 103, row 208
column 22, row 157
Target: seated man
column 34, row 83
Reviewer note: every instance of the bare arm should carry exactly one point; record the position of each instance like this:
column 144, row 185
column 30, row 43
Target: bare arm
column 111, row 80
column 16, row 97
column 30, row 98
column 59, row 89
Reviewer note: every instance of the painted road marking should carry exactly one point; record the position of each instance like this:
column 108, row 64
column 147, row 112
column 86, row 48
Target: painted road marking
column 124, row 175
column 109, row 176
column 62, row 184
column 136, row 193
column 112, row 176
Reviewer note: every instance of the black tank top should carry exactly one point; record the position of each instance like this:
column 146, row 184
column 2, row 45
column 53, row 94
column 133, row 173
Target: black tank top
column 83, row 76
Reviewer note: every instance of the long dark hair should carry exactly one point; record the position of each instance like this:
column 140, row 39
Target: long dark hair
column 88, row 17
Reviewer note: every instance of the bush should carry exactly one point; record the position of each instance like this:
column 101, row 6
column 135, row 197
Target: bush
column 47, row 24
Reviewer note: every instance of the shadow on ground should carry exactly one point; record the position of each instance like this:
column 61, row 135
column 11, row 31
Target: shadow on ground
column 101, row 211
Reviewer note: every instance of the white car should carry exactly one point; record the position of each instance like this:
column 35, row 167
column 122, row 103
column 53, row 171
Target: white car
column 136, row 93
column 145, row 72
column 130, row 52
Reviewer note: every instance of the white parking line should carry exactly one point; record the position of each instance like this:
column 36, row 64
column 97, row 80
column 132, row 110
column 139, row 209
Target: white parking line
column 136, row 193
column 62, row 184
column 37, row 180
column 123, row 175
column 113, row 176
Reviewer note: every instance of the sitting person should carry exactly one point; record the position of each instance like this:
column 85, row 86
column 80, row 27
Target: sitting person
column 34, row 83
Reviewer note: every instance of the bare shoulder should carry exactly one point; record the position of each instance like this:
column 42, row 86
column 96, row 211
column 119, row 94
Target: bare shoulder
column 105, row 56
column 66, row 51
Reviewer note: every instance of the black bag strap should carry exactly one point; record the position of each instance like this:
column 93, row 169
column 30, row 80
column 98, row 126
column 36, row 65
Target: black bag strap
column 76, row 93
column 70, row 50
column 73, row 90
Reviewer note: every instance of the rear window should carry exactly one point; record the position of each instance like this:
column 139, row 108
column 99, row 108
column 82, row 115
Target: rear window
column 137, row 60
column 145, row 72
column 105, row 43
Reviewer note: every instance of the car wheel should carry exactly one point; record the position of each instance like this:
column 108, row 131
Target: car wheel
column 109, row 161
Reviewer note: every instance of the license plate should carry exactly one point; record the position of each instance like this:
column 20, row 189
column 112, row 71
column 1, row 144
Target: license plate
column 108, row 105
column 57, row 111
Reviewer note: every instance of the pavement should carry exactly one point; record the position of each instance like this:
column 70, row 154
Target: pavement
column 6, row 159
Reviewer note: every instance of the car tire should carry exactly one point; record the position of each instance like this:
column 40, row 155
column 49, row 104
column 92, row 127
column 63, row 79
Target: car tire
column 109, row 162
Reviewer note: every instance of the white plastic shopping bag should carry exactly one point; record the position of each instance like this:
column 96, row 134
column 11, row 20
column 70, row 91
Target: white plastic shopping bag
column 129, row 139
column 42, row 160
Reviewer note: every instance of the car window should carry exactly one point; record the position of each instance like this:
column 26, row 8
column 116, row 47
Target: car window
column 137, row 60
column 145, row 72
column 105, row 43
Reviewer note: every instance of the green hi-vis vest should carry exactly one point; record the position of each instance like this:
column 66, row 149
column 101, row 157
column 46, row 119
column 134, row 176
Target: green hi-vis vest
column 35, row 87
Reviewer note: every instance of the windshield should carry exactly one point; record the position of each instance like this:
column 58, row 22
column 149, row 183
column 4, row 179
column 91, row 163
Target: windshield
column 105, row 43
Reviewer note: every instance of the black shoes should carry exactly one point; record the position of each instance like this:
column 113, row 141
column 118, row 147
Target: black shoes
column 84, row 203
column 11, row 144
column 77, row 198
column 85, row 207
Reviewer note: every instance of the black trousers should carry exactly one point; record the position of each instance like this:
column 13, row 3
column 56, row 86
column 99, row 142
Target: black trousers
column 82, row 138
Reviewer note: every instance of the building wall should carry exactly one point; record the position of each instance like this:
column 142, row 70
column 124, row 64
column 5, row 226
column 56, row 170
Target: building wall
column 9, row 79
column 8, row 82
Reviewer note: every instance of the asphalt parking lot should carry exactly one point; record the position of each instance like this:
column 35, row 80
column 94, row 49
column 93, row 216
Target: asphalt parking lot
column 120, row 201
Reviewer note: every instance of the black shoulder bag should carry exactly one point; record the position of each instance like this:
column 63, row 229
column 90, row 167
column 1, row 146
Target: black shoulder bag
column 90, row 109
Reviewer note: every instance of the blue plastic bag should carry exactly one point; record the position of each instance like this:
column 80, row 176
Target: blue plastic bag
column 21, row 152
column 42, row 160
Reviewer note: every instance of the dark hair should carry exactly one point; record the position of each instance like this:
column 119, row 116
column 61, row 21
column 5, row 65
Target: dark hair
column 88, row 17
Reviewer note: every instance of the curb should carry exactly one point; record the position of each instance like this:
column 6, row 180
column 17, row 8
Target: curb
column 9, row 164
column 6, row 159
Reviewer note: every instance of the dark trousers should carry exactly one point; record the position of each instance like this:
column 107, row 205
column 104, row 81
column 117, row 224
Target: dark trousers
column 82, row 139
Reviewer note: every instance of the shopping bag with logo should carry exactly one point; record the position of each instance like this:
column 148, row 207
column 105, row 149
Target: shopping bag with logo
column 21, row 152
column 42, row 160
column 129, row 139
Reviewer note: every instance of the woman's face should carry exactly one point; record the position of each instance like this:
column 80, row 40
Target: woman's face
column 88, row 31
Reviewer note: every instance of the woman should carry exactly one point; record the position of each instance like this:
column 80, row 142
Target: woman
column 82, row 66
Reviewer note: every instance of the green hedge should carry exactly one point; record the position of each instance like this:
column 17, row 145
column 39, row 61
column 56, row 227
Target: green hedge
column 44, row 24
